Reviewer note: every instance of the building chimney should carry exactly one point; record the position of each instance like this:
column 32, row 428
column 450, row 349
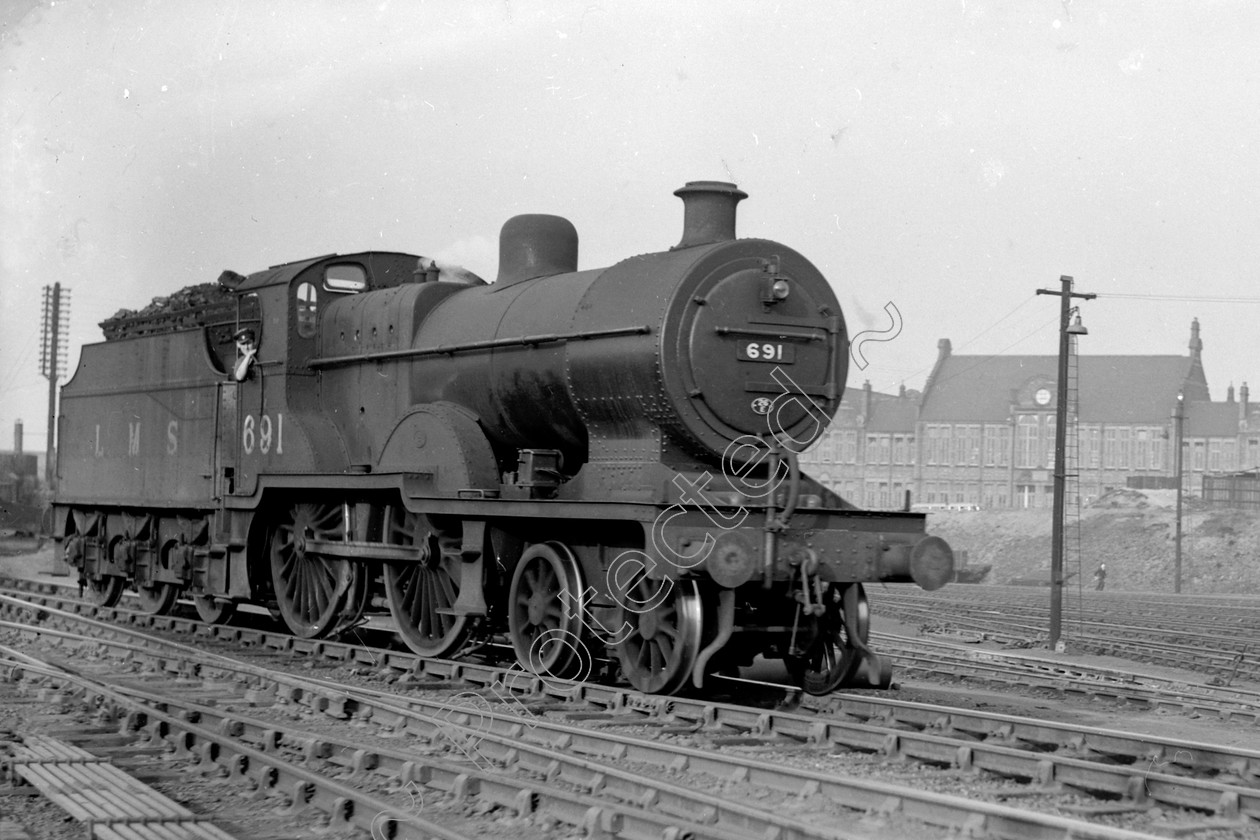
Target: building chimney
column 1196, row 343
column 1243, row 409
column 943, row 349
column 866, row 402
column 708, row 212
column 17, row 437
column 1229, row 393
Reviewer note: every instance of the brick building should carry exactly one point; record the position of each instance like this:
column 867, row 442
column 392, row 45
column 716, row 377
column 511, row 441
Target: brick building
column 982, row 431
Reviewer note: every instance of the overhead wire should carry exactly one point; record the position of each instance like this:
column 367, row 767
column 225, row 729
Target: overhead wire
column 978, row 335
column 1185, row 298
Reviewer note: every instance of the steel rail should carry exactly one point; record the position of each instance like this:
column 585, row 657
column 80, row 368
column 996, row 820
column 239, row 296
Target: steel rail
column 741, row 717
column 944, row 658
column 1233, row 663
column 1000, row 758
column 486, row 676
column 344, row 804
column 721, row 817
column 640, row 807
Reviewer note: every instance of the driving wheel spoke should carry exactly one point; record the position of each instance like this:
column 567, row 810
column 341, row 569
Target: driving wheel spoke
column 420, row 593
column 310, row 594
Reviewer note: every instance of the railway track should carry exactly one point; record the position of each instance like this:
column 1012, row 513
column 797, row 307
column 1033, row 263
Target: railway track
column 1142, row 628
column 1124, row 773
column 922, row 657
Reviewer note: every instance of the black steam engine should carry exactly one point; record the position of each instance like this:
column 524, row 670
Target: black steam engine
column 579, row 461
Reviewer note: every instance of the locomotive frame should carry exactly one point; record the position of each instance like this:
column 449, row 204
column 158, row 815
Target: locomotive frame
column 367, row 433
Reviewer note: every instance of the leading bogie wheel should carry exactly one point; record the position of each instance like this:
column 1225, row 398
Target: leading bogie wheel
column 828, row 657
column 317, row 595
column 665, row 623
column 422, row 592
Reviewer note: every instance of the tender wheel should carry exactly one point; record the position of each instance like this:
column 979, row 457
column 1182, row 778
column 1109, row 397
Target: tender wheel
column 212, row 611
column 317, row 595
column 659, row 652
column 545, row 613
column 105, row 591
column 829, row 659
column 421, row 594
column 158, row 599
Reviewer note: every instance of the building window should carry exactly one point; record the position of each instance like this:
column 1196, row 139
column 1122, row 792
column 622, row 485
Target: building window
column 1109, row 453
column 1229, row 455
column 1124, row 437
column 827, row 452
column 1089, row 437
column 1214, row 455
column 1048, row 443
column 1199, row 449
column 1026, row 448
column 1142, row 449
column 973, row 445
column 1157, row 448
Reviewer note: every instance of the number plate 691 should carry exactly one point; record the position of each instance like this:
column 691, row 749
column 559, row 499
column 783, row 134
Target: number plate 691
column 767, row 351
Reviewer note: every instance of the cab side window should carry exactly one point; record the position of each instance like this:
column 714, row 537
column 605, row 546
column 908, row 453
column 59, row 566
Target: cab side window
column 307, row 304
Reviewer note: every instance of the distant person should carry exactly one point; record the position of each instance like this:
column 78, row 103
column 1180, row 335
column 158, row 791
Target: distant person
column 1100, row 577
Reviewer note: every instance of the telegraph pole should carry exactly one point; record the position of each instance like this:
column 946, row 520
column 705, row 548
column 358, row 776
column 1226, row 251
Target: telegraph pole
column 54, row 342
column 1066, row 330
column 1179, row 414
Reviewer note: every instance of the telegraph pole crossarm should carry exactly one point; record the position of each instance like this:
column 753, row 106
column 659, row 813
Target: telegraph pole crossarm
column 1060, row 443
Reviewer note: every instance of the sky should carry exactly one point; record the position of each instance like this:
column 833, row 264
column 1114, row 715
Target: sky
column 939, row 160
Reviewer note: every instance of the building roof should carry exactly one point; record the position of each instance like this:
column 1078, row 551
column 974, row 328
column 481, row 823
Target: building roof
column 1212, row 419
column 875, row 411
column 892, row 414
column 1113, row 389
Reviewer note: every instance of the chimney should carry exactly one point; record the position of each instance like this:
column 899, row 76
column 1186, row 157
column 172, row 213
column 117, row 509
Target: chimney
column 901, row 392
column 708, row 212
column 943, row 349
column 866, row 402
column 17, row 437
column 1229, row 393
column 536, row 245
column 1196, row 343
column 1243, row 408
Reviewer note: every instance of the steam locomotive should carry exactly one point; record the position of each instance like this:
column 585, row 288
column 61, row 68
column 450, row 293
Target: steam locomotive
column 598, row 465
